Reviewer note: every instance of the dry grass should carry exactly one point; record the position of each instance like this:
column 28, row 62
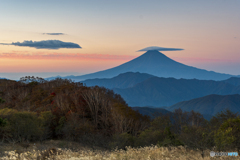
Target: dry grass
column 60, row 150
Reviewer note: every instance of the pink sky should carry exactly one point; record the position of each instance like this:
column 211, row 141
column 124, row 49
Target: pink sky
column 110, row 33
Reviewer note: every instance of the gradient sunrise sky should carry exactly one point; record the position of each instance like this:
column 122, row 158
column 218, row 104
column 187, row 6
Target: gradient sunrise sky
column 110, row 32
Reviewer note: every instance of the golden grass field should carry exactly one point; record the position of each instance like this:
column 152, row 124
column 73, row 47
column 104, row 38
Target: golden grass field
column 65, row 150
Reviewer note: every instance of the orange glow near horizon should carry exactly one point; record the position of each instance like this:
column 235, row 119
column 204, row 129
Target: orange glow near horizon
column 64, row 56
column 57, row 65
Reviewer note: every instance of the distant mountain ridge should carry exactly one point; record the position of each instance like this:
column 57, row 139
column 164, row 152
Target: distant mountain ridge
column 233, row 80
column 210, row 104
column 129, row 79
column 140, row 89
column 158, row 92
column 52, row 78
column 155, row 63
column 123, row 80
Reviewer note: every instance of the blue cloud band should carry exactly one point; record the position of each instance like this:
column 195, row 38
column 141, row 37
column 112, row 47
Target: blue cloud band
column 47, row 44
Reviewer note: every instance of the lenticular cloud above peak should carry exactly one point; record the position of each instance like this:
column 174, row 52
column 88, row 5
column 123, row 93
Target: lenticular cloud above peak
column 156, row 48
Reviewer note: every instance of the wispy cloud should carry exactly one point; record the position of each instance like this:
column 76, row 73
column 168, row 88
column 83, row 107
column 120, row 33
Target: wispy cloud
column 47, row 44
column 80, row 56
column 54, row 34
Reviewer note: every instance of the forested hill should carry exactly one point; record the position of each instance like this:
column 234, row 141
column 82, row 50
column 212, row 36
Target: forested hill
column 62, row 108
column 33, row 110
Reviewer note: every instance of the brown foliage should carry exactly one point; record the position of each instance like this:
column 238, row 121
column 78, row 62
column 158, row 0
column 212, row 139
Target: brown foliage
column 77, row 109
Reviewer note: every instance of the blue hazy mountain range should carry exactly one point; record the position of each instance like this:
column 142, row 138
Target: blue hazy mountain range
column 155, row 63
column 233, row 80
column 141, row 89
column 130, row 79
column 159, row 92
column 210, row 104
column 123, row 80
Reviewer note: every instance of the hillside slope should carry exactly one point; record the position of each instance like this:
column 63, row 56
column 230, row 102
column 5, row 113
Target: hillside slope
column 233, row 80
column 210, row 104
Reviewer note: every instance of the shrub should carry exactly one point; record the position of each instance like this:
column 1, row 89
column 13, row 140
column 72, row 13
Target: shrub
column 227, row 136
column 170, row 139
column 2, row 100
column 149, row 137
column 122, row 140
column 24, row 126
column 3, row 122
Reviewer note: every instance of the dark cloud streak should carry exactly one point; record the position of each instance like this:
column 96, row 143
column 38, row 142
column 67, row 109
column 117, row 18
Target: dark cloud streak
column 54, row 34
column 5, row 44
column 47, row 44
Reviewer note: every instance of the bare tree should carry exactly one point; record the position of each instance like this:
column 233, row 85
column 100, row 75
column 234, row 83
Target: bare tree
column 98, row 104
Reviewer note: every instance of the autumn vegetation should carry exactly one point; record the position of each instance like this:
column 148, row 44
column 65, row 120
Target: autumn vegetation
column 34, row 110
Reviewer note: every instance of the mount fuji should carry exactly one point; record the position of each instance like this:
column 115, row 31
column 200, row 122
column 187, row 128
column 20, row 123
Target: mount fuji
column 155, row 63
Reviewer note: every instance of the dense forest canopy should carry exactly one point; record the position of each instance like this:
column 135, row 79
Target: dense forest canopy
column 69, row 109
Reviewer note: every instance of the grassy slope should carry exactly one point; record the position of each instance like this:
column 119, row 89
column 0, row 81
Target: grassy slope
column 72, row 151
